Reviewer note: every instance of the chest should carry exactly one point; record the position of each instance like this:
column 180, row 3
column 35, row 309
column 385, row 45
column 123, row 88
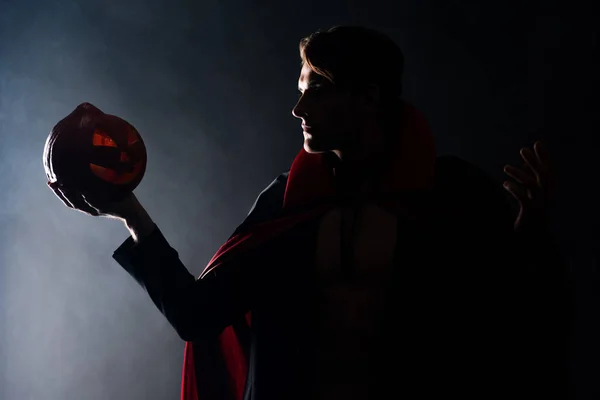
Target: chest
column 355, row 244
column 354, row 254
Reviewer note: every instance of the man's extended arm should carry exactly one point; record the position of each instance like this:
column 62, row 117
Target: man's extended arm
column 196, row 308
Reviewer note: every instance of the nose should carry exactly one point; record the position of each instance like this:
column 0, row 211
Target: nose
column 298, row 111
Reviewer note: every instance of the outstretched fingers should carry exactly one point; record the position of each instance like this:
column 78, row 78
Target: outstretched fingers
column 517, row 191
column 519, row 175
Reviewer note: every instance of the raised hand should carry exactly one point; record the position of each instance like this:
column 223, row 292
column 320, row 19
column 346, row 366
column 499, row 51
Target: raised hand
column 534, row 187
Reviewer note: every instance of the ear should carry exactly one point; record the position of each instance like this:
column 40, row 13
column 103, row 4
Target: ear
column 373, row 95
column 370, row 97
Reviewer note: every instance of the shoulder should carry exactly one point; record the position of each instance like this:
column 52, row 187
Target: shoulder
column 268, row 204
column 271, row 198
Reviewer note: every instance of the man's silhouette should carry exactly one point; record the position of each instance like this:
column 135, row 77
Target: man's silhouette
column 371, row 269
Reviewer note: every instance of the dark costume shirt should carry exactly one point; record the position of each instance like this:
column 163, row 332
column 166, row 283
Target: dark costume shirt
column 462, row 307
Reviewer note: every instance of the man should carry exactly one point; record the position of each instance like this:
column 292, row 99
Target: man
column 371, row 269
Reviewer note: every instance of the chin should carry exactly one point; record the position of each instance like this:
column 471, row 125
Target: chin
column 313, row 146
column 312, row 149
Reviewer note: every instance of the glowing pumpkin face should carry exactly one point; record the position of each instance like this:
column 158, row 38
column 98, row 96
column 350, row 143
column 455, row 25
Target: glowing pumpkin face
column 95, row 152
column 115, row 164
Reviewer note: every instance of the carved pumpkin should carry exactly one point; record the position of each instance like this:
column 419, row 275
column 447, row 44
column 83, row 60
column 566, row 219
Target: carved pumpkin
column 95, row 153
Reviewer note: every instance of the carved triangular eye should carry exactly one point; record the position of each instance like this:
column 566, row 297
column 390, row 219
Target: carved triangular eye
column 102, row 139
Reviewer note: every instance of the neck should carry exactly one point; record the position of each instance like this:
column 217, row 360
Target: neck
column 357, row 170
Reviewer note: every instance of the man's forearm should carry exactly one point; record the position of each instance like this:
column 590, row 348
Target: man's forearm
column 140, row 225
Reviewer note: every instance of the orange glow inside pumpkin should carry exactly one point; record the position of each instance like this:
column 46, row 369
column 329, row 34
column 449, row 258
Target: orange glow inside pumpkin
column 102, row 139
column 109, row 175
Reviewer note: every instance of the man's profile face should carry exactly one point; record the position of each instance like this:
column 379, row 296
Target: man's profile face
column 330, row 116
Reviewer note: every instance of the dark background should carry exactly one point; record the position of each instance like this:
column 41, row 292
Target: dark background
column 210, row 86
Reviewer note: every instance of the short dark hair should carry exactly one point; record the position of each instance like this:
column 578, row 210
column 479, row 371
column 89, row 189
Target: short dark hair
column 357, row 55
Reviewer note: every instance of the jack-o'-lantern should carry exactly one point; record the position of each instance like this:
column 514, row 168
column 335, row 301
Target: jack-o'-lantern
column 95, row 153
